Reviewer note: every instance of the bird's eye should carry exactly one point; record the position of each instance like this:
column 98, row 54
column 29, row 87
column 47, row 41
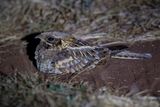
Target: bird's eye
column 50, row 39
column 53, row 41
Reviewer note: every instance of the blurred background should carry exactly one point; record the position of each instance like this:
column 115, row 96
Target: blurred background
column 120, row 19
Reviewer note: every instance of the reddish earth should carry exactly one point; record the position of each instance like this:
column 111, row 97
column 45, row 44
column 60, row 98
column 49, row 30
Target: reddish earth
column 124, row 75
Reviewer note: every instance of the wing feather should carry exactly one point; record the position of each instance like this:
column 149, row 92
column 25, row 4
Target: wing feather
column 74, row 59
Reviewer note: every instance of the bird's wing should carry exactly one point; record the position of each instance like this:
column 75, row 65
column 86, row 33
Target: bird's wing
column 74, row 59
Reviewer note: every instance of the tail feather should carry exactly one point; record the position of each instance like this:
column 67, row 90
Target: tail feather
column 130, row 55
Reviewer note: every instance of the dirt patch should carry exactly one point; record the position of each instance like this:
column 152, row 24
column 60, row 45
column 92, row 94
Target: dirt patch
column 123, row 75
column 14, row 59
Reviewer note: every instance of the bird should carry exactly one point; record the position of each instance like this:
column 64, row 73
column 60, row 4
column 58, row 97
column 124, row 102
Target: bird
column 62, row 53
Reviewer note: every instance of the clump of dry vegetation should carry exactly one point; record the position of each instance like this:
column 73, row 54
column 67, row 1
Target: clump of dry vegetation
column 25, row 90
column 121, row 19
column 125, row 20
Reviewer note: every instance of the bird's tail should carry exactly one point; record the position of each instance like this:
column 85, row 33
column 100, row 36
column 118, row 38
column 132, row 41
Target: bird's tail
column 130, row 55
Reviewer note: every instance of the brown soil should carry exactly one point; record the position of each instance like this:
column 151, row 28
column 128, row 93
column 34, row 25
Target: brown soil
column 123, row 75
column 13, row 58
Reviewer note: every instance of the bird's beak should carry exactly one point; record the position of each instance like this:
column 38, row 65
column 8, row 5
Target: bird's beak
column 38, row 37
column 41, row 37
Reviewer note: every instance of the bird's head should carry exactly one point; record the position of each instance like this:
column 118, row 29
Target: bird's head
column 56, row 39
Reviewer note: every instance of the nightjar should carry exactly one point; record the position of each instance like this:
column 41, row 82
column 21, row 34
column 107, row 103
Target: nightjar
column 61, row 53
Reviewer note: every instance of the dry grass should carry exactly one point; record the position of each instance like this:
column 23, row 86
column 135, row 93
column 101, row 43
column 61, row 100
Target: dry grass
column 25, row 90
column 125, row 20
column 121, row 20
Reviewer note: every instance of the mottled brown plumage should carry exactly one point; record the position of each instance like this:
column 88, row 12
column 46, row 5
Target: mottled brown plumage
column 61, row 53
